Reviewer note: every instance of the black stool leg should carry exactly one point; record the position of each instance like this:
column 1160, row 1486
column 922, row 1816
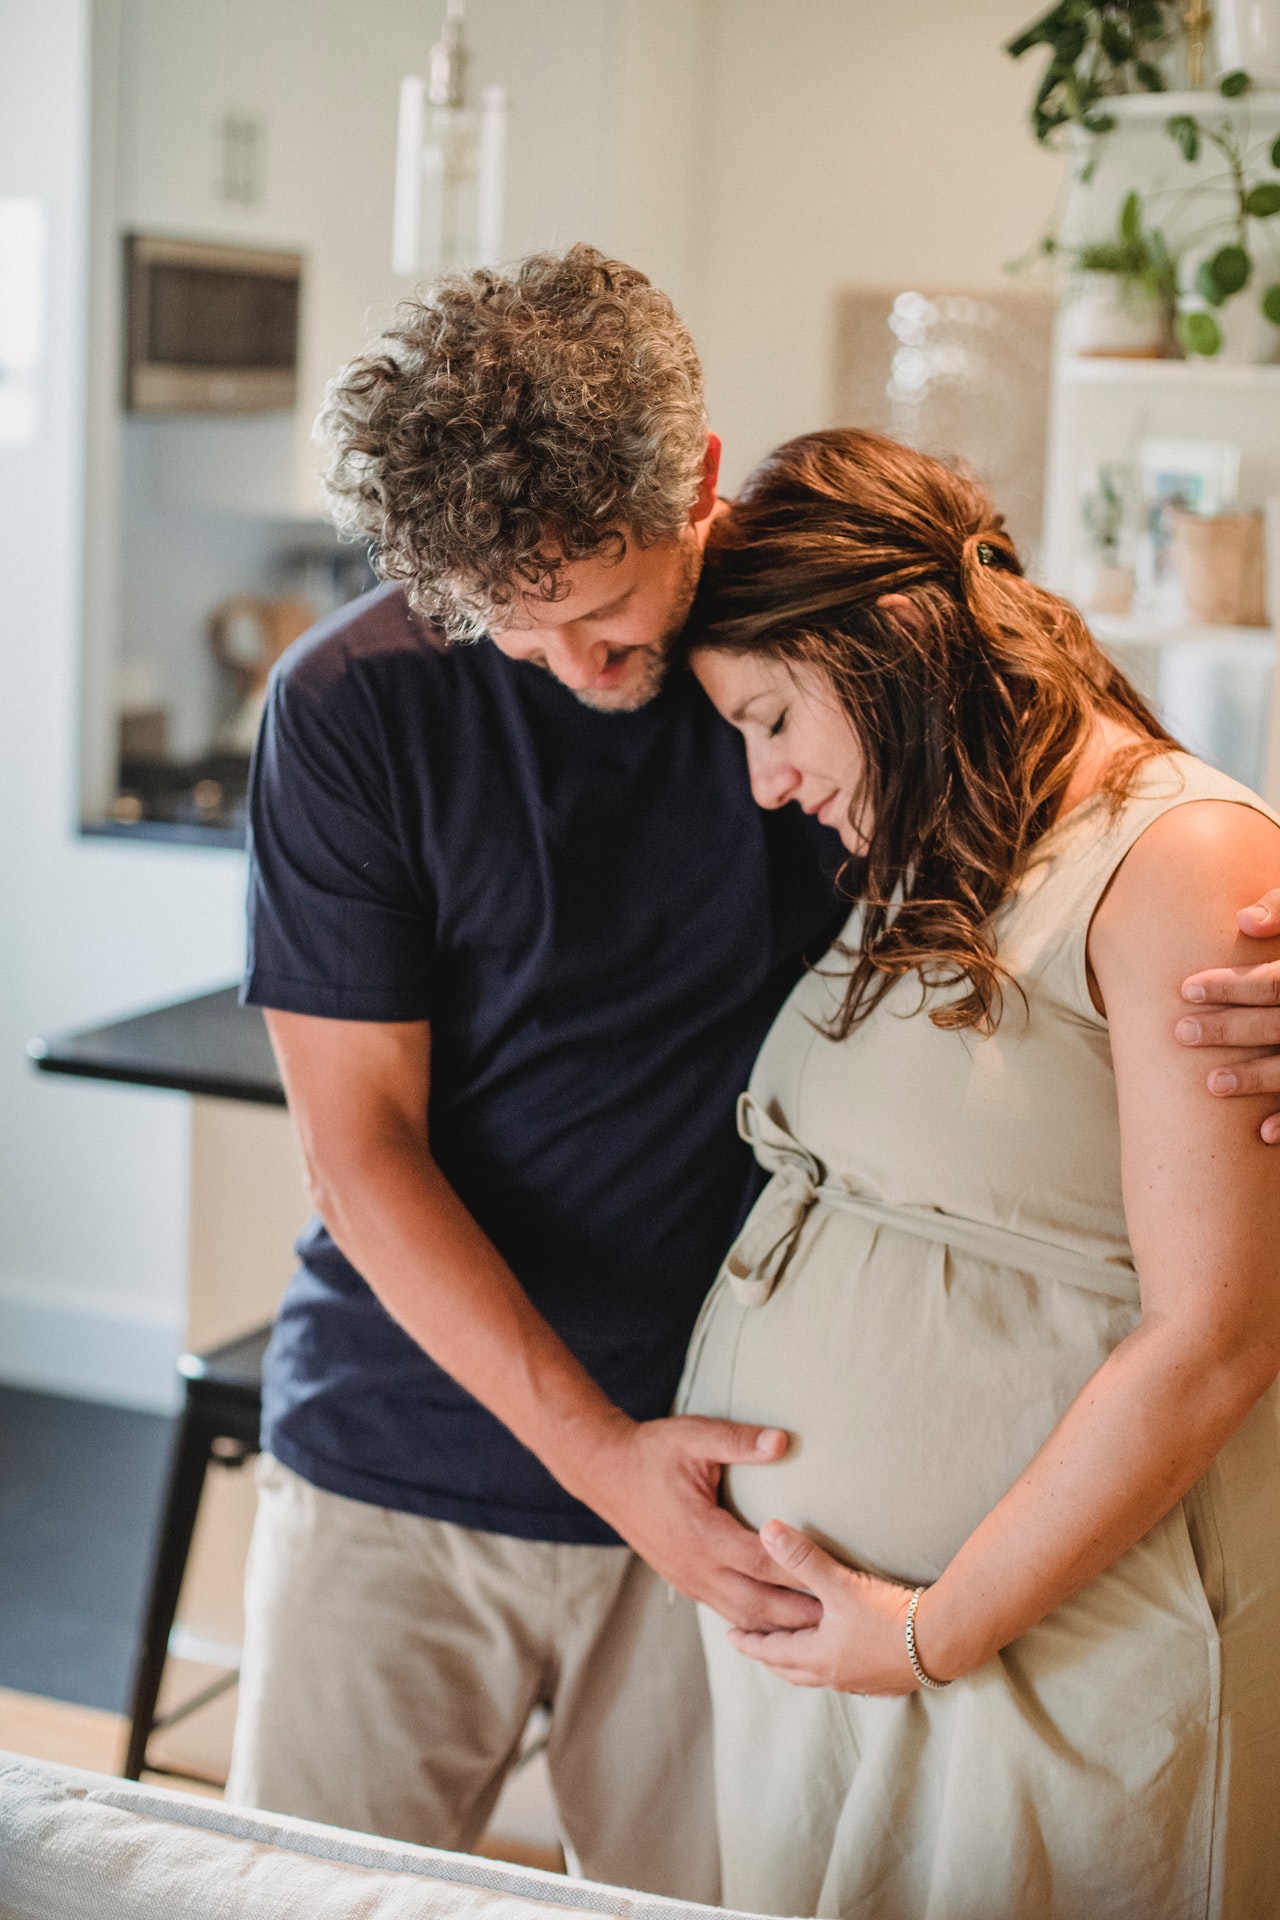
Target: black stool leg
column 186, row 1483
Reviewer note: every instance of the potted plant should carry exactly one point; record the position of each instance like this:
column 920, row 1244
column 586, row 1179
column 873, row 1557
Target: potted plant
column 1234, row 253
column 1097, row 49
column 1120, row 291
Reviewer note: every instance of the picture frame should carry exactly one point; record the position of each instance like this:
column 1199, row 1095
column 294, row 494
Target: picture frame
column 1197, row 476
column 1202, row 476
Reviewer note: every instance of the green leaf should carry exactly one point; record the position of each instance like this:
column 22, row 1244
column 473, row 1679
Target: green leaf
column 1038, row 34
column 1271, row 304
column 1232, row 85
column 1131, row 216
column 1148, row 18
column 1043, row 32
column 1116, row 42
column 1207, row 286
column 1263, row 201
column 1198, row 333
column 1231, row 267
column 1097, row 122
column 1151, row 77
column 1071, row 43
column 1184, row 130
column 1110, row 256
column 1275, row 154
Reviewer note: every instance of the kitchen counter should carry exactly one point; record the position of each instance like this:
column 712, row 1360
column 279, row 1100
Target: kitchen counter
column 206, row 1045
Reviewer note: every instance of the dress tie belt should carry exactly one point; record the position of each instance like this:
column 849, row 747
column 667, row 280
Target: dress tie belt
column 758, row 1258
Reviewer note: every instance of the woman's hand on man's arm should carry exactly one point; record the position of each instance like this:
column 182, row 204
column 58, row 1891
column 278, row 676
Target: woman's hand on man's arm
column 1240, row 1007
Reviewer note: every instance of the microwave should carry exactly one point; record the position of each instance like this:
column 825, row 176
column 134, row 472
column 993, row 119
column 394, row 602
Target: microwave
column 211, row 329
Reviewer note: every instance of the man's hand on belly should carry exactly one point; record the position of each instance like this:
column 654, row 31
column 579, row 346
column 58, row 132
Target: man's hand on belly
column 657, row 1482
column 359, row 1093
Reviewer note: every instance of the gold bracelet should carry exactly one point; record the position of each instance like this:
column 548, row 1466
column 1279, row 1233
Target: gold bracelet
column 912, row 1655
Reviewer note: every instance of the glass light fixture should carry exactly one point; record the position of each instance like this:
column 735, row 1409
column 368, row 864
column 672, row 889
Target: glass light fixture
column 450, row 164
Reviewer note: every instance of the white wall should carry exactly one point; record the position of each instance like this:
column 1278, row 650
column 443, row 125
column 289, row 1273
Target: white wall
column 849, row 143
column 95, row 1216
column 93, row 1181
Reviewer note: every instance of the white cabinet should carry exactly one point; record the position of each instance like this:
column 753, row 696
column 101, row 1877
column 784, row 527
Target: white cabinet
column 272, row 123
column 316, row 83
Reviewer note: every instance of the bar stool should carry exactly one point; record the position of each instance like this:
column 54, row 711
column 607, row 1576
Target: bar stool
column 220, row 1422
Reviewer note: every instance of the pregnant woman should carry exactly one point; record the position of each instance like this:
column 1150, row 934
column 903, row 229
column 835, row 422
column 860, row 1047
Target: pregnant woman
column 1013, row 1286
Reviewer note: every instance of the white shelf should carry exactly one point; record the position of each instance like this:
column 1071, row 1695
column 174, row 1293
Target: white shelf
column 1154, row 630
column 1205, row 104
column 1094, row 370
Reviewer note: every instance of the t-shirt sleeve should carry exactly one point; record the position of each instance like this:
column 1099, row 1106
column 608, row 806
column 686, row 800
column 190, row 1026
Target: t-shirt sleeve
column 340, row 913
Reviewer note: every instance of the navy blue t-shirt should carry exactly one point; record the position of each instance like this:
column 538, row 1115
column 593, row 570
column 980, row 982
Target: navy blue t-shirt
column 600, row 925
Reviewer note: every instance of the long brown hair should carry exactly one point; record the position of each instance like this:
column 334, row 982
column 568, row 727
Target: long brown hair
column 971, row 710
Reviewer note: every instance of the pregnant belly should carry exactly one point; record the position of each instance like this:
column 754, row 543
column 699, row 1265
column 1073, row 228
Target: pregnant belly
column 915, row 1383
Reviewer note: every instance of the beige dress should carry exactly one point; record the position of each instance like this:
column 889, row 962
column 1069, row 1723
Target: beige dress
column 938, row 1264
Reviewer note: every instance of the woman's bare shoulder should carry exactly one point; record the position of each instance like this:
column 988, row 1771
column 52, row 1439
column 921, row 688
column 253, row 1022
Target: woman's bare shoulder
column 1173, row 901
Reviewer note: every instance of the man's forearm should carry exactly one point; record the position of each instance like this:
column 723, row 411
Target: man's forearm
column 405, row 1230
column 359, row 1094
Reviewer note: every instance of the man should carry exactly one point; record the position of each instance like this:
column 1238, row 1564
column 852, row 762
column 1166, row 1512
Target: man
column 518, row 929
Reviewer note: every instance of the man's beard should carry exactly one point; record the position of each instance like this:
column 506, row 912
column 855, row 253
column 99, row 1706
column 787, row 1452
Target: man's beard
column 655, row 661
column 656, row 658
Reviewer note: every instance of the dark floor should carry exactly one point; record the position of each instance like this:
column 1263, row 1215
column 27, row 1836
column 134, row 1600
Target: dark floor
column 80, row 1491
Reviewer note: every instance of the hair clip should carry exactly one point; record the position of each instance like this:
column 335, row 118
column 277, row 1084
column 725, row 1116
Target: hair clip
column 986, row 554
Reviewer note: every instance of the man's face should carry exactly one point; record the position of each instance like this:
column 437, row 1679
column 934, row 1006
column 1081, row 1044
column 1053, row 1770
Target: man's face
column 609, row 637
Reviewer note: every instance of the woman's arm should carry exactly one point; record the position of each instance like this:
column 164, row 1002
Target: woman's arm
column 1202, row 1196
column 1250, row 1022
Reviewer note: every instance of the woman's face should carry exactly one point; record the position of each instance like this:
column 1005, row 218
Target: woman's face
column 800, row 745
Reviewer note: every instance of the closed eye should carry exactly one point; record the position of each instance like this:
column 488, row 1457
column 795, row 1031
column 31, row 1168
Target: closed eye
column 778, row 725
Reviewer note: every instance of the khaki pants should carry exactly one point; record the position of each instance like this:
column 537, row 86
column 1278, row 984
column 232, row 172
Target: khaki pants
column 391, row 1664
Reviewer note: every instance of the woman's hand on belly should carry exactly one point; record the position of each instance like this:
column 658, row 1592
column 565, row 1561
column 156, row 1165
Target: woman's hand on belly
column 860, row 1643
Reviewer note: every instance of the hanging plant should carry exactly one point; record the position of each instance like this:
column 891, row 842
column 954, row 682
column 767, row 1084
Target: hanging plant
column 1226, row 271
column 1096, row 51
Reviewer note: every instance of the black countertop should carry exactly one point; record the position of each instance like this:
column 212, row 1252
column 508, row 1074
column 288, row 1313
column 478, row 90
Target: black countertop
column 209, row 1045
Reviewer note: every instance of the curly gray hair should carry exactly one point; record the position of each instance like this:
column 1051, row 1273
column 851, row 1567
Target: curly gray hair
column 509, row 422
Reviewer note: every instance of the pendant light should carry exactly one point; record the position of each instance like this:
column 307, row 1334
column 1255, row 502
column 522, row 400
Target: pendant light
column 450, row 164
